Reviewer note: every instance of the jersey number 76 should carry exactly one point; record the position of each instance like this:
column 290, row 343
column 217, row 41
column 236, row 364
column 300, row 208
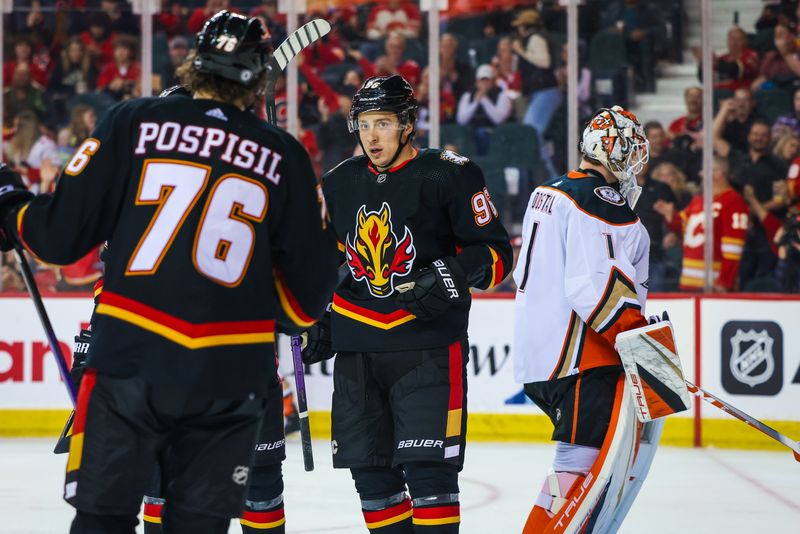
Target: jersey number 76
column 225, row 238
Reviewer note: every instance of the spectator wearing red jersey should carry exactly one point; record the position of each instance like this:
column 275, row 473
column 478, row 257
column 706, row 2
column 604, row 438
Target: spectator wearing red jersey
column 120, row 78
column 171, row 18
column 322, row 53
column 759, row 168
column 779, row 67
column 200, row 15
column 739, row 66
column 23, row 55
column 392, row 62
column 393, row 15
column 731, row 215
column 99, row 39
column 693, row 120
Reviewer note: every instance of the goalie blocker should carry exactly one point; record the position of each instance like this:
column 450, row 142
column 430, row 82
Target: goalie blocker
column 653, row 371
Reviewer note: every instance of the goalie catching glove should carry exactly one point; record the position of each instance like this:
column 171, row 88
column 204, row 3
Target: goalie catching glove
column 316, row 341
column 12, row 193
column 431, row 291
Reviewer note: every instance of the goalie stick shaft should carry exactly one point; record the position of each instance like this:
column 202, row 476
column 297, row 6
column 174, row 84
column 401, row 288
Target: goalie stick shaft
column 55, row 348
column 740, row 415
column 304, row 36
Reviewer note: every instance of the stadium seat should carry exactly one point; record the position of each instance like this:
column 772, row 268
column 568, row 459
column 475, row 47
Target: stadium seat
column 516, row 145
column 608, row 62
column 99, row 101
column 460, row 136
column 772, row 103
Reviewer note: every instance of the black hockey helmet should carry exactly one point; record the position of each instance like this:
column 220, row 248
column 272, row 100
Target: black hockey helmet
column 233, row 47
column 384, row 93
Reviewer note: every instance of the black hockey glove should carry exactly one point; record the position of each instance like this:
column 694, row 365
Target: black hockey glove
column 12, row 193
column 429, row 292
column 82, row 342
column 316, row 346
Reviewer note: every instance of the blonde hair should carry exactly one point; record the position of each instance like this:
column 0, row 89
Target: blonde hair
column 27, row 132
column 679, row 184
column 781, row 143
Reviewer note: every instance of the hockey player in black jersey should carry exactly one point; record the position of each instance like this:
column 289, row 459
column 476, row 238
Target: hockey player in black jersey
column 216, row 240
column 417, row 230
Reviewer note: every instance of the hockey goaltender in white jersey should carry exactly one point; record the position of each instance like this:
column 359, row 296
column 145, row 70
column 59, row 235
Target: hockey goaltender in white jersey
column 582, row 286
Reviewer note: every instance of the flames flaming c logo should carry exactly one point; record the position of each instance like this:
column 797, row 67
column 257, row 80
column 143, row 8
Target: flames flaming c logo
column 375, row 254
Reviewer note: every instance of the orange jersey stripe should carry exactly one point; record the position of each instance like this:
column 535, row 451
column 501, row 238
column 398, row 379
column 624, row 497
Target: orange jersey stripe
column 182, row 332
column 497, row 268
column 384, row 321
column 289, row 303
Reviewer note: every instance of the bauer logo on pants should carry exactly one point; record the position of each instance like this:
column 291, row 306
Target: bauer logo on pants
column 752, row 358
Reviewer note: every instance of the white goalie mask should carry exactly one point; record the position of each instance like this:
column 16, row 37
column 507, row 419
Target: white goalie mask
column 616, row 139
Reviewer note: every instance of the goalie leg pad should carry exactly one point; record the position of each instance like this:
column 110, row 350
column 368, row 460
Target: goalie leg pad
column 653, row 370
column 602, row 483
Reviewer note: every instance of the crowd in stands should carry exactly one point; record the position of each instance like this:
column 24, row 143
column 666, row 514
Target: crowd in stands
column 502, row 90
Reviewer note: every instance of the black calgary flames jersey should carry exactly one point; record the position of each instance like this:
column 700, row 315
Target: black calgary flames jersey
column 215, row 233
column 389, row 224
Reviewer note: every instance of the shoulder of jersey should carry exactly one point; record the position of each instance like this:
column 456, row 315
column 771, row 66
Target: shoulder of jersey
column 346, row 168
column 444, row 158
column 594, row 197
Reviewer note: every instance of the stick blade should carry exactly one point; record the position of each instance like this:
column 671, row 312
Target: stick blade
column 304, row 36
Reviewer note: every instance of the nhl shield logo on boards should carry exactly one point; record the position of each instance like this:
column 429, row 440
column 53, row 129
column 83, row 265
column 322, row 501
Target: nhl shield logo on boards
column 752, row 357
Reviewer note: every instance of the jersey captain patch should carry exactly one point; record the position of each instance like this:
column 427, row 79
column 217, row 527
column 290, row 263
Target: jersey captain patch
column 453, row 157
column 375, row 255
column 610, row 195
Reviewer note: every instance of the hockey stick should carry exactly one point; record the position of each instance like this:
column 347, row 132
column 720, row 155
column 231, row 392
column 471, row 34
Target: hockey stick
column 740, row 415
column 302, row 404
column 304, row 36
column 55, row 348
column 301, row 38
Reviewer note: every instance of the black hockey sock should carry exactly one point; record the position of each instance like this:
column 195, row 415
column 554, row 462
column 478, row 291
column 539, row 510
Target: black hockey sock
column 152, row 515
column 384, row 503
column 176, row 520
column 263, row 508
column 103, row 524
column 434, row 490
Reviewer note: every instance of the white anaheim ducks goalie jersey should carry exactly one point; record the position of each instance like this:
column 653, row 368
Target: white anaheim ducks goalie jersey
column 581, row 277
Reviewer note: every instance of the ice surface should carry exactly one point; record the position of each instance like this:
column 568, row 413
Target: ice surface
column 688, row 491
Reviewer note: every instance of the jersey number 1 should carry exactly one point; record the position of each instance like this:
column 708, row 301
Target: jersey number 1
column 225, row 237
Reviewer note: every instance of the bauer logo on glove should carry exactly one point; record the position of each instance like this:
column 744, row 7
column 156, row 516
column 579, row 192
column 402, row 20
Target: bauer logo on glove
column 432, row 290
